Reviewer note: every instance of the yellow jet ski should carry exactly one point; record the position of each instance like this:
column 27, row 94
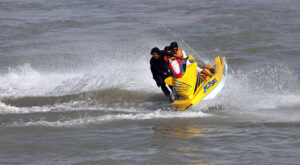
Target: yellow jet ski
column 192, row 87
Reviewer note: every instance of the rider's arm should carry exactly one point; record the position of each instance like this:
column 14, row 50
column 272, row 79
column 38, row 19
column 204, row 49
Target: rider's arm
column 179, row 57
column 166, row 53
column 201, row 64
column 183, row 54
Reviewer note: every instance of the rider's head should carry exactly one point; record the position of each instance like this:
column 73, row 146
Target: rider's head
column 174, row 47
column 167, row 48
column 155, row 52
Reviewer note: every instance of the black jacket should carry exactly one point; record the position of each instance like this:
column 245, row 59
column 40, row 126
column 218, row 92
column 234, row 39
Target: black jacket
column 159, row 66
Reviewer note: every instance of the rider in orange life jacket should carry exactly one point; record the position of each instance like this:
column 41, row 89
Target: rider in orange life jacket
column 177, row 52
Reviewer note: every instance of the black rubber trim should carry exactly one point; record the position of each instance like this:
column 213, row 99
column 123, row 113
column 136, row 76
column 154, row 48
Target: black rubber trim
column 197, row 83
column 188, row 107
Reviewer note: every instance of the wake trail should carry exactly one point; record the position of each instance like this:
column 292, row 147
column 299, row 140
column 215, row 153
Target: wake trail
column 85, row 121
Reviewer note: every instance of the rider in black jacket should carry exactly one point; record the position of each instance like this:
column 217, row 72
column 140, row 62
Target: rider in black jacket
column 160, row 69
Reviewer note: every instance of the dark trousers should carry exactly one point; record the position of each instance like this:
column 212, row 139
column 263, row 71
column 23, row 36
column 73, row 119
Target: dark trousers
column 165, row 89
column 160, row 82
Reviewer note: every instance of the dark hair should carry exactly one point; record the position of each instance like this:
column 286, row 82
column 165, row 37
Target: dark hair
column 173, row 45
column 167, row 48
column 155, row 50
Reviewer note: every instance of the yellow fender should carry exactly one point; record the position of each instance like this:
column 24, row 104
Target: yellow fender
column 169, row 80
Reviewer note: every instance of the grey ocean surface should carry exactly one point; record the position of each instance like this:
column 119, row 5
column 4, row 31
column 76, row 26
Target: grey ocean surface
column 76, row 88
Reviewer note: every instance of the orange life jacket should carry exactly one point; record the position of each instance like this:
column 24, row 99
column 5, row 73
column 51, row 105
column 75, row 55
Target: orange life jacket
column 179, row 53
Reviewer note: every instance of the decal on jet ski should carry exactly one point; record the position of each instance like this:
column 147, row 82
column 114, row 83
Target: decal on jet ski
column 198, row 82
column 181, row 86
column 209, row 84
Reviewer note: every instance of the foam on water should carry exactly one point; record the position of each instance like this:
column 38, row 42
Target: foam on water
column 259, row 96
column 24, row 81
column 131, row 73
column 244, row 92
column 111, row 118
column 65, row 107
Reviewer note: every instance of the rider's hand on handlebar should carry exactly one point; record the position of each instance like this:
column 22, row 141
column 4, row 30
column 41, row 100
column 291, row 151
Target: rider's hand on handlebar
column 167, row 74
